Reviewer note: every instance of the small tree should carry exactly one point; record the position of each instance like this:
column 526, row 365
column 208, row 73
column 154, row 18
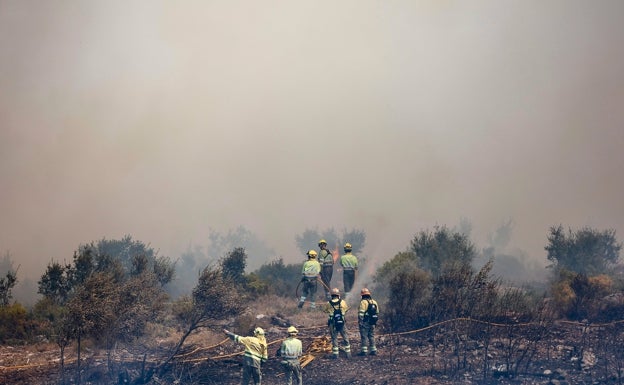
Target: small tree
column 9, row 281
column 403, row 262
column 409, row 293
column 214, row 298
column 233, row 266
column 55, row 283
column 90, row 309
column 442, row 248
column 109, row 293
column 282, row 278
column 6, row 285
column 586, row 251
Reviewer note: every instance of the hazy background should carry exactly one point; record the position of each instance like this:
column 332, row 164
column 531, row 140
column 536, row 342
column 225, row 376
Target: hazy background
column 166, row 120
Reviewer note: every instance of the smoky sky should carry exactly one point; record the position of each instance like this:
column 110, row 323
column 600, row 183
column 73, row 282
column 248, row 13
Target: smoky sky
column 164, row 120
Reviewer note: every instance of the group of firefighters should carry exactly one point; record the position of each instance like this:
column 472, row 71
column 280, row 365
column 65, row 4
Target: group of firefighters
column 336, row 308
column 321, row 264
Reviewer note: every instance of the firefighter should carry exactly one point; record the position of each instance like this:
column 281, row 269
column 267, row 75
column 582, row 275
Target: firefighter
column 290, row 351
column 326, row 259
column 255, row 354
column 368, row 313
column 309, row 275
column 349, row 263
column 336, row 309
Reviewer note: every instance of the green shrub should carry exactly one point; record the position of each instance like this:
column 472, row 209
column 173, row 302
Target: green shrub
column 15, row 324
column 281, row 279
column 410, row 293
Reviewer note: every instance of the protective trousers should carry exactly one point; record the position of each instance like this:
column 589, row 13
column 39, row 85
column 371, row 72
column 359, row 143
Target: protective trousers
column 367, row 338
column 348, row 276
column 251, row 373
column 326, row 276
column 309, row 290
column 334, row 338
column 292, row 369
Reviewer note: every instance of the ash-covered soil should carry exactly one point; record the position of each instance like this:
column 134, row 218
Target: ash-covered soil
column 454, row 352
column 410, row 359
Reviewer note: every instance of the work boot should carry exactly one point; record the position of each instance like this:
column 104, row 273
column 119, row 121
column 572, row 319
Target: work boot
column 373, row 353
column 362, row 353
column 348, row 354
column 334, row 356
column 300, row 305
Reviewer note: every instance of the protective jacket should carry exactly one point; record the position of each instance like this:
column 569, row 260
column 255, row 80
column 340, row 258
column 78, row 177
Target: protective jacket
column 364, row 304
column 255, row 350
column 326, row 258
column 349, row 261
column 291, row 349
column 311, row 268
column 329, row 307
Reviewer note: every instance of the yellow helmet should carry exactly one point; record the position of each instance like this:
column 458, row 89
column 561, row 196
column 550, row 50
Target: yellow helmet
column 292, row 330
column 258, row 331
column 322, row 242
column 365, row 291
column 335, row 291
column 348, row 247
column 312, row 253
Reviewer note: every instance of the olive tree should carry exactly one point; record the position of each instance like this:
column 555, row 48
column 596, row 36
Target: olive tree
column 586, row 251
column 215, row 297
column 442, row 249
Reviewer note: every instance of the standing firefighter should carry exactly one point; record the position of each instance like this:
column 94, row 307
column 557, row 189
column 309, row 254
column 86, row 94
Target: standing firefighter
column 290, row 351
column 310, row 271
column 255, row 355
column 337, row 308
column 368, row 313
column 326, row 259
column 349, row 265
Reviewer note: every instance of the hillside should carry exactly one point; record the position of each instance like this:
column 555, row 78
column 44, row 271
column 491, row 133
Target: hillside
column 447, row 353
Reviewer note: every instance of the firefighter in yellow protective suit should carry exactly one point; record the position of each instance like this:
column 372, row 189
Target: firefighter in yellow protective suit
column 255, row 354
column 336, row 309
column 309, row 277
column 290, row 351
column 349, row 263
column 368, row 313
column 326, row 259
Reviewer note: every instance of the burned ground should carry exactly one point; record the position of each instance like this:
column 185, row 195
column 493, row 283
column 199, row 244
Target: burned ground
column 459, row 351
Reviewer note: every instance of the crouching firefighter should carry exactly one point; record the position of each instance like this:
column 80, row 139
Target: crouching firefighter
column 336, row 309
column 255, row 354
column 290, row 351
column 368, row 313
column 309, row 276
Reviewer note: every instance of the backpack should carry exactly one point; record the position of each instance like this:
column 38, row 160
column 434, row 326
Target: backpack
column 338, row 317
column 371, row 315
